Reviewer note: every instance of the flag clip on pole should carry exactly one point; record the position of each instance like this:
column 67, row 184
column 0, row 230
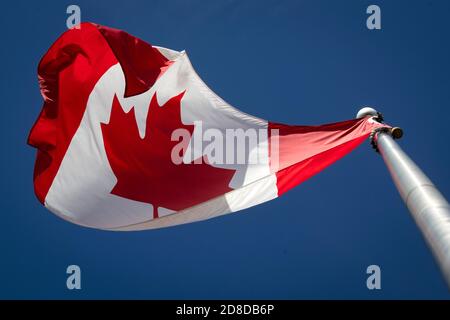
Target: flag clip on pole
column 427, row 205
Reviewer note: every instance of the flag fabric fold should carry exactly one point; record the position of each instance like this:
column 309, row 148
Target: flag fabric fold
column 131, row 138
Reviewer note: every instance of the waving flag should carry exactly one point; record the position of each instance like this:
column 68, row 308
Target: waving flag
column 131, row 138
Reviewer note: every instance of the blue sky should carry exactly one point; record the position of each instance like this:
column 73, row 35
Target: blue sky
column 297, row 62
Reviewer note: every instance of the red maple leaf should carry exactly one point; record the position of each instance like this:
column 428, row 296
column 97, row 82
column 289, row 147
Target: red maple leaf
column 143, row 167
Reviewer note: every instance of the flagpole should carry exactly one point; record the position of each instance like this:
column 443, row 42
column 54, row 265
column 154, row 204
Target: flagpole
column 427, row 205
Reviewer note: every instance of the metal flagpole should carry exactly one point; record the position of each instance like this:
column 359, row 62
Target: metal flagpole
column 427, row 205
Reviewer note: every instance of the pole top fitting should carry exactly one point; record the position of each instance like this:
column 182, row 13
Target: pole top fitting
column 395, row 132
column 366, row 111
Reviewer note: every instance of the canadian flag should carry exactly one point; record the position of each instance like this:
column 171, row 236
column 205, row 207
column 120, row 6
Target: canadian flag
column 130, row 138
